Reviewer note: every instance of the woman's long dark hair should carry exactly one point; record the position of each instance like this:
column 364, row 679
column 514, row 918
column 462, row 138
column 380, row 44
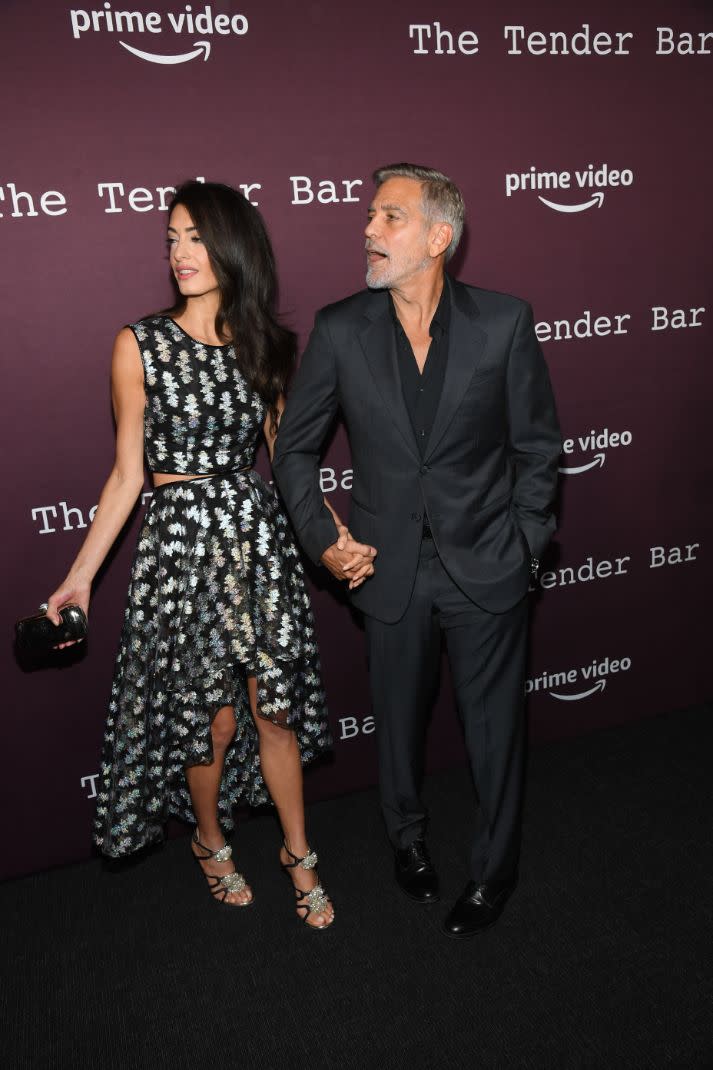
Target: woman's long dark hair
column 240, row 253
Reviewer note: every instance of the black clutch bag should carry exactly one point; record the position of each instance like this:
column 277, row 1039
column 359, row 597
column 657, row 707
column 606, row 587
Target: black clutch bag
column 39, row 634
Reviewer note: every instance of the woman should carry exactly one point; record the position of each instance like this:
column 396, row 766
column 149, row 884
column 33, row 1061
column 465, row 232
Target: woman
column 217, row 696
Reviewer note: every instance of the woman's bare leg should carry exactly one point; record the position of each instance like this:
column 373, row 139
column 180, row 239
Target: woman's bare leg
column 204, row 786
column 282, row 771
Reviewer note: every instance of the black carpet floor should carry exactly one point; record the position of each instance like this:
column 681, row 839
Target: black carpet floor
column 603, row 958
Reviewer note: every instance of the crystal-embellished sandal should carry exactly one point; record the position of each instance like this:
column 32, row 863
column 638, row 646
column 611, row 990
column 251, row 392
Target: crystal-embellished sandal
column 316, row 900
column 221, row 887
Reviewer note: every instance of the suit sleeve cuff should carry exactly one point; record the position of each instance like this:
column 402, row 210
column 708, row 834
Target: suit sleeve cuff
column 323, row 534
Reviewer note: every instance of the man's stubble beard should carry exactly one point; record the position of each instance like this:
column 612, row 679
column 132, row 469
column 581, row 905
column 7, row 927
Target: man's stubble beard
column 392, row 275
column 381, row 283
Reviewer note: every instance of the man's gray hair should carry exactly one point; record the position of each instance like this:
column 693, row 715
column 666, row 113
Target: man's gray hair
column 442, row 200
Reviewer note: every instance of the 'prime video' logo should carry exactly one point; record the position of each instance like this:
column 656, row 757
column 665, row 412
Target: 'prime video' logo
column 595, row 440
column 591, row 178
column 107, row 20
column 573, row 685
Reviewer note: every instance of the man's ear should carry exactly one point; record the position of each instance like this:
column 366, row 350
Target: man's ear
column 439, row 238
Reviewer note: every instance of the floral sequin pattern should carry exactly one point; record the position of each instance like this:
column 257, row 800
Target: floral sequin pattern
column 200, row 414
column 216, row 594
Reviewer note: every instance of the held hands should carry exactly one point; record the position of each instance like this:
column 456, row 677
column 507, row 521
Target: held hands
column 71, row 592
column 349, row 560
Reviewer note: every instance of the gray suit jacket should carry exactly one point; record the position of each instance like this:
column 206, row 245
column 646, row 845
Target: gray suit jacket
column 489, row 473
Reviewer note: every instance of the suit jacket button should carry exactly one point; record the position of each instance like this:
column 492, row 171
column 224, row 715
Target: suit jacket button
column 424, row 469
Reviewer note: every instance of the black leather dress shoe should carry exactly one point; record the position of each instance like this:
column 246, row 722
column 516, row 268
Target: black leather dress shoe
column 415, row 874
column 479, row 906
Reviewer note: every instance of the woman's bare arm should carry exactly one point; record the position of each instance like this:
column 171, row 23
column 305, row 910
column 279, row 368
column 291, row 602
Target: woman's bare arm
column 125, row 479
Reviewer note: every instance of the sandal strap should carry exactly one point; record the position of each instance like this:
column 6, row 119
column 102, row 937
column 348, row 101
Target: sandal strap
column 309, row 861
column 233, row 882
column 221, row 887
column 317, row 901
column 223, row 854
column 227, row 884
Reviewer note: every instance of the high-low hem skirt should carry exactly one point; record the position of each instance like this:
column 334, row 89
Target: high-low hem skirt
column 217, row 594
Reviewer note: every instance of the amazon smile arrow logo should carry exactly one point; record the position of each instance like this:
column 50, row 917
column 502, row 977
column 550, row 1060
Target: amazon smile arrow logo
column 599, row 459
column 597, row 199
column 599, row 686
column 200, row 48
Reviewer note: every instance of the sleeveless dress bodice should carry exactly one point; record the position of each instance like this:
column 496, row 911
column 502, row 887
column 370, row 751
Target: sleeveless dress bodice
column 201, row 416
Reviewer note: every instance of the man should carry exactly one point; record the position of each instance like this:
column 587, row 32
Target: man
column 455, row 442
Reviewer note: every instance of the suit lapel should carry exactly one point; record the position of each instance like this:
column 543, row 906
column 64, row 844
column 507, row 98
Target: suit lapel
column 379, row 346
column 466, row 345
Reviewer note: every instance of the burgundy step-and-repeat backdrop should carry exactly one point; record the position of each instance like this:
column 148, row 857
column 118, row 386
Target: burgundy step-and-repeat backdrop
column 580, row 136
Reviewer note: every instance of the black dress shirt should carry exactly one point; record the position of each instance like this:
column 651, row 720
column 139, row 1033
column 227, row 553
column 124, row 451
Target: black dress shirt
column 422, row 390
